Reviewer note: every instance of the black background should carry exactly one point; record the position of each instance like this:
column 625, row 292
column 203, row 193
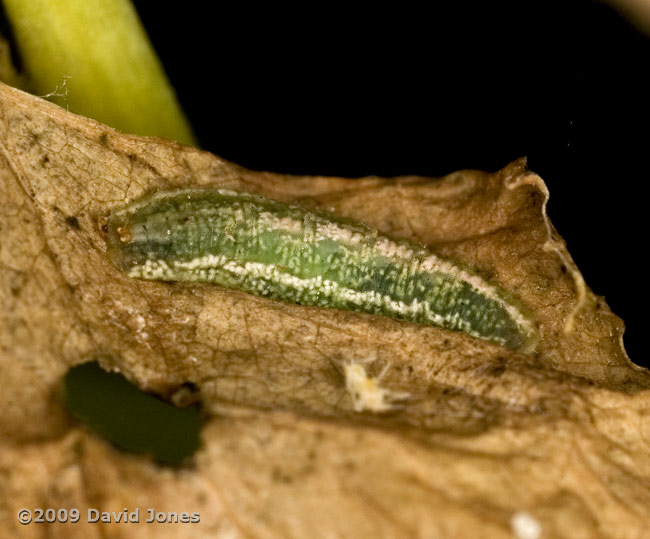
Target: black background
column 400, row 90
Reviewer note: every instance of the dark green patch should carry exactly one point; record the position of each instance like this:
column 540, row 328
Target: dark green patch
column 129, row 418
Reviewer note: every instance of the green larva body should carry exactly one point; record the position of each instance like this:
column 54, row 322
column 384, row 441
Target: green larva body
column 257, row 245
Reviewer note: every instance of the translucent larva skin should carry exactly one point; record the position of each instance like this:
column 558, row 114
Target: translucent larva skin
column 267, row 248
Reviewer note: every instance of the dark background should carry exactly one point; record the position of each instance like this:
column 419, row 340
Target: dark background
column 402, row 91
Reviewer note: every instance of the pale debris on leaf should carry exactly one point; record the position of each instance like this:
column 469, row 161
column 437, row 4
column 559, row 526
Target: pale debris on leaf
column 525, row 526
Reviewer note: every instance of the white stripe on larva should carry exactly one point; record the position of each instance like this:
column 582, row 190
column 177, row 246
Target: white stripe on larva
column 390, row 249
column 334, row 232
column 273, row 222
column 161, row 270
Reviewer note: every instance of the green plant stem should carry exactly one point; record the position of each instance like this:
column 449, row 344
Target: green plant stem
column 97, row 54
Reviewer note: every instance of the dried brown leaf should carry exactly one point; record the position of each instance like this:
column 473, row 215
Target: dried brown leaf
column 485, row 434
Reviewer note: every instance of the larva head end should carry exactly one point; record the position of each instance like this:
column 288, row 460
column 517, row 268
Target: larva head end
column 119, row 237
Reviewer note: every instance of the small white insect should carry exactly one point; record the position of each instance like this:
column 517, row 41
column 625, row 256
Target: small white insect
column 366, row 393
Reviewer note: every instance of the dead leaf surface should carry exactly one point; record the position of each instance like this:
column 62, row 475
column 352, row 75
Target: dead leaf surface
column 485, row 434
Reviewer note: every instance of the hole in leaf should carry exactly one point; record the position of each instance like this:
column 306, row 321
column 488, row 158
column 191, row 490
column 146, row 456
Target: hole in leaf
column 130, row 418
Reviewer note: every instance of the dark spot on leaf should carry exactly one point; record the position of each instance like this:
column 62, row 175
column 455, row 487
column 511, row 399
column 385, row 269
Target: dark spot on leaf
column 103, row 139
column 496, row 370
column 73, row 222
column 279, row 476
